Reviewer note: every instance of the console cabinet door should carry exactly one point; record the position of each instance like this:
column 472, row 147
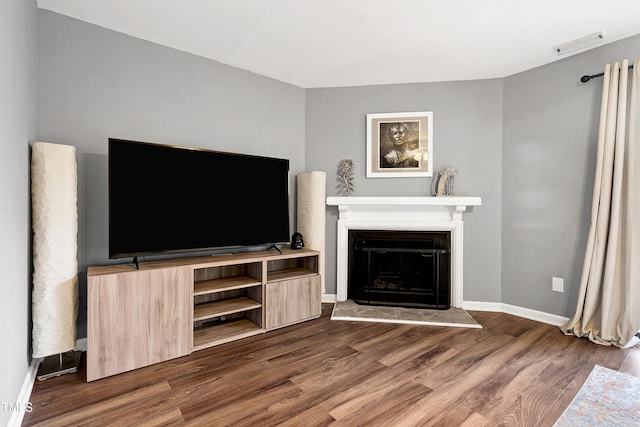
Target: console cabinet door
column 292, row 301
column 137, row 318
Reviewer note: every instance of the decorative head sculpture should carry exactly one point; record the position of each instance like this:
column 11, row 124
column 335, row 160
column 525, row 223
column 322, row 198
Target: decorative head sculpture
column 296, row 241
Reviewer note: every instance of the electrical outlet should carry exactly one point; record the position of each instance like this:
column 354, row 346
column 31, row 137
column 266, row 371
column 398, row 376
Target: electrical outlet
column 557, row 284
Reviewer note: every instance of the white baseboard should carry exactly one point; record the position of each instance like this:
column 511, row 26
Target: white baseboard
column 329, row 298
column 527, row 313
column 22, row 401
column 27, row 386
column 539, row 316
column 81, row 345
column 482, row 306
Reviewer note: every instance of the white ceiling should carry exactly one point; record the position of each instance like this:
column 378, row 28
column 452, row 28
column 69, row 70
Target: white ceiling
column 325, row 43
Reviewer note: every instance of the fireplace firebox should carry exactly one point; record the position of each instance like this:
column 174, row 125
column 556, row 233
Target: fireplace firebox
column 400, row 268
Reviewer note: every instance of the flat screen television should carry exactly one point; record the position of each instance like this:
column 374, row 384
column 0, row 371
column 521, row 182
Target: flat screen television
column 168, row 199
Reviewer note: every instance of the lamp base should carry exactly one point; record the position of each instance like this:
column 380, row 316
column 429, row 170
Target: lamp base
column 59, row 364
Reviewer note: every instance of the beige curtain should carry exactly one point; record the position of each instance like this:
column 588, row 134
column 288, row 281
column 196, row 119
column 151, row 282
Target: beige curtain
column 608, row 309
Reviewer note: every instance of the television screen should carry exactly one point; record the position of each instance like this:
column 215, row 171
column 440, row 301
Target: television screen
column 175, row 199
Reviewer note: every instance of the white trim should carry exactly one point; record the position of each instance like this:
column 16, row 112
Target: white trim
column 539, row 316
column 455, row 228
column 25, row 393
column 329, row 298
column 81, row 345
column 425, row 142
column 448, row 201
column 29, row 380
column 526, row 313
column 403, row 214
column 482, row 306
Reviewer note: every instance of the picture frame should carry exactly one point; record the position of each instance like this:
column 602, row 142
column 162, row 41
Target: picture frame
column 400, row 144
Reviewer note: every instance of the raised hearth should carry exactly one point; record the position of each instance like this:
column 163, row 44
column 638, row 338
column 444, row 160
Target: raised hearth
column 454, row 317
column 402, row 214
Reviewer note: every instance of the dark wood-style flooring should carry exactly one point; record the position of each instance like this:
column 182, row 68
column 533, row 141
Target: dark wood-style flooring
column 513, row 372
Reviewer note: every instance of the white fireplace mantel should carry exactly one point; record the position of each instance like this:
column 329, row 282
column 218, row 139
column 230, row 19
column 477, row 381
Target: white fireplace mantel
column 404, row 214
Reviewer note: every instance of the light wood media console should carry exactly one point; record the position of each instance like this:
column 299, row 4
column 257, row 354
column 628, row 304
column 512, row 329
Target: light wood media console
column 170, row 308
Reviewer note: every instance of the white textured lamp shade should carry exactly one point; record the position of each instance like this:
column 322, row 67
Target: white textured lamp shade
column 55, row 248
column 311, row 213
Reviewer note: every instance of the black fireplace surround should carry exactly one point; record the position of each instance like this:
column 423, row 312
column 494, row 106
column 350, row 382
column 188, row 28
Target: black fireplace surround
column 400, row 268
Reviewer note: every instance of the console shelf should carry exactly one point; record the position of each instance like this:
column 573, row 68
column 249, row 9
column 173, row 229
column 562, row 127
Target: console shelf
column 170, row 308
column 221, row 308
column 225, row 332
column 293, row 273
column 220, row 285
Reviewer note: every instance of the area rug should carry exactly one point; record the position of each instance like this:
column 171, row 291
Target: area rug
column 607, row 398
column 456, row 317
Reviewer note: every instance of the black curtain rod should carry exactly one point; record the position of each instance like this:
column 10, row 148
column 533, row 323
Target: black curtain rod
column 585, row 79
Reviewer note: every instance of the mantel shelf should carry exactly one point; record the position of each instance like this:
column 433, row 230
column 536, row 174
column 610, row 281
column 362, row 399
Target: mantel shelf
column 404, row 201
column 403, row 208
column 402, row 213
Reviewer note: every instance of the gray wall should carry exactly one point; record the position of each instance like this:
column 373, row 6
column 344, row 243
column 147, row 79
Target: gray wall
column 467, row 135
column 18, row 20
column 525, row 144
column 96, row 83
column 550, row 137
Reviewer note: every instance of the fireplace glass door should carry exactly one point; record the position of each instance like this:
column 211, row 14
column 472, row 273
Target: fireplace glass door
column 400, row 268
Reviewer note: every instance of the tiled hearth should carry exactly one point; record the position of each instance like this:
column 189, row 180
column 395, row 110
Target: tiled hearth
column 455, row 317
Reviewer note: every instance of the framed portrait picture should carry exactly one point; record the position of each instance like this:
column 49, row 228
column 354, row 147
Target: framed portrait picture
column 400, row 144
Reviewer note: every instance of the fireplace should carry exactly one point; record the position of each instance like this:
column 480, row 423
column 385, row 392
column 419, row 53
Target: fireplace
column 400, row 268
column 415, row 214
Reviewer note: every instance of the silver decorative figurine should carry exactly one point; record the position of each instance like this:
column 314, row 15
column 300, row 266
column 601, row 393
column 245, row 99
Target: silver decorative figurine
column 442, row 183
column 345, row 177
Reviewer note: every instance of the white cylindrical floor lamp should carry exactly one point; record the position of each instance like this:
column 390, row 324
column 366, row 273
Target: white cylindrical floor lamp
column 54, row 212
column 311, row 209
